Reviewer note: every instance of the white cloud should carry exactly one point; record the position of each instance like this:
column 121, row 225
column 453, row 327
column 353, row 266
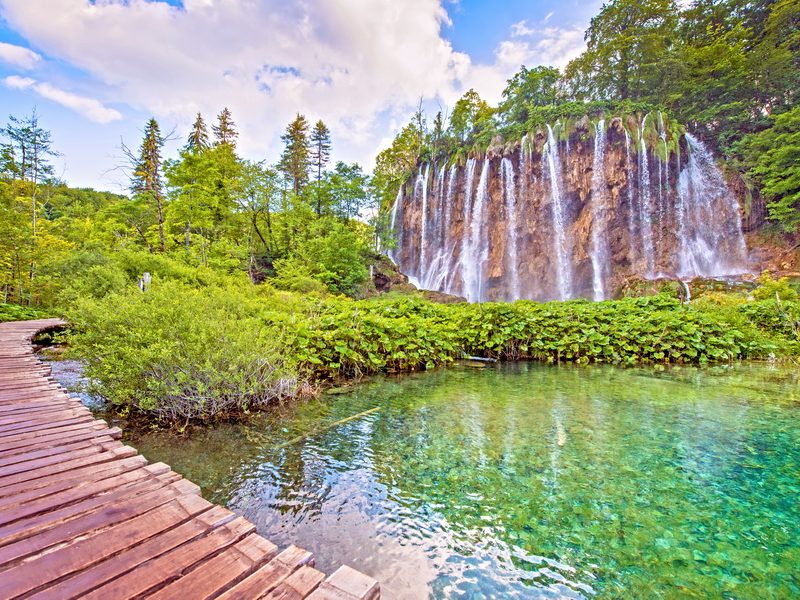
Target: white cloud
column 356, row 64
column 521, row 29
column 90, row 108
column 19, row 57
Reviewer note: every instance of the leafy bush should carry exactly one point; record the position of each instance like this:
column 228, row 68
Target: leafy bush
column 181, row 353
column 770, row 289
column 184, row 353
column 14, row 312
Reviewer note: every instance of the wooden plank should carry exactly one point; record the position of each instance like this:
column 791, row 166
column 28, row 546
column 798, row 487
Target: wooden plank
column 25, row 493
column 93, row 431
column 298, row 585
column 38, row 570
column 81, row 515
column 74, row 427
column 49, row 451
column 41, row 522
column 98, row 457
column 71, row 495
column 37, row 427
column 80, row 584
column 268, row 577
column 221, row 571
column 158, row 572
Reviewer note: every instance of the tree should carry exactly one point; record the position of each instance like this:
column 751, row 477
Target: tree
column 295, row 160
column 627, row 51
column 146, row 178
column 348, row 190
column 320, row 154
column 470, row 114
column 26, row 154
column 198, row 136
column 527, row 88
column 773, row 156
column 225, row 129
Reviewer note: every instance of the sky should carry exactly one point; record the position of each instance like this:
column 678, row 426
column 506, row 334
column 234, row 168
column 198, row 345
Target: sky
column 96, row 70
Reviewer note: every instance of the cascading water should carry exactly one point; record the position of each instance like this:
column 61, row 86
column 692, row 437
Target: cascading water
column 478, row 243
column 553, row 165
column 512, row 258
column 547, row 227
column 599, row 252
column 398, row 233
column 645, row 205
column 423, row 239
column 704, row 200
column 631, row 206
column 464, row 259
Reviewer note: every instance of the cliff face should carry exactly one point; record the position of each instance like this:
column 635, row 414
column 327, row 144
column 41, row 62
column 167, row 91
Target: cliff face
column 547, row 218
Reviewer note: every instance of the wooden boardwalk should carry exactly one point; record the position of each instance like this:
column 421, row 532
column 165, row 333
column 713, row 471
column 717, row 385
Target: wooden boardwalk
column 83, row 516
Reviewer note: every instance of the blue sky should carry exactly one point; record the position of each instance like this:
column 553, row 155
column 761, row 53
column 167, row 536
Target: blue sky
column 96, row 71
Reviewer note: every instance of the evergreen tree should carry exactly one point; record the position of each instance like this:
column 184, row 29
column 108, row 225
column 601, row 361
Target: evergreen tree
column 320, row 154
column 146, row 178
column 295, row 160
column 26, row 157
column 225, row 129
column 198, row 136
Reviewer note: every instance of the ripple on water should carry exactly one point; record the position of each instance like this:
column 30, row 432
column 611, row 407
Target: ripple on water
column 528, row 481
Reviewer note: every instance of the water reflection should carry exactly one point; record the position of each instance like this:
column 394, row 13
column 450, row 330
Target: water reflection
column 527, row 481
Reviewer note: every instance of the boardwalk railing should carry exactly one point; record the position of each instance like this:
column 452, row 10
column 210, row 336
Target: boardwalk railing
column 84, row 516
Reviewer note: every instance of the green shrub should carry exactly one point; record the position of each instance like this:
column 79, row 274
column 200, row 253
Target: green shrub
column 770, row 289
column 198, row 353
column 181, row 353
column 14, row 312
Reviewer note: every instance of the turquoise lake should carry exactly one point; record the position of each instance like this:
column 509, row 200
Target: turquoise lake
column 527, row 481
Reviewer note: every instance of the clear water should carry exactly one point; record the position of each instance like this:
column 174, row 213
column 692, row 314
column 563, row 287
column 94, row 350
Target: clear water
column 528, row 481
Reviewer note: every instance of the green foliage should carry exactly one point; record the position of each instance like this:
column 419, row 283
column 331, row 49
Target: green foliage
column 14, row 312
column 770, row 288
column 180, row 353
column 186, row 352
column 296, row 158
column 773, row 159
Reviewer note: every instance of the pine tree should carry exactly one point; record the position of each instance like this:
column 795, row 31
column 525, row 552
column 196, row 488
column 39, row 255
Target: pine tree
column 198, row 136
column 26, row 156
column 295, row 160
column 146, row 179
column 225, row 129
column 320, row 154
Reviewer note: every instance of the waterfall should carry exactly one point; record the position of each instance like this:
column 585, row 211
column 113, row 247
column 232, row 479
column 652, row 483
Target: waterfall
column 512, row 258
column 398, row 202
column 464, row 259
column 523, row 165
column 631, row 206
column 478, row 244
column 423, row 238
column 553, row 165
column 645, row 205
column 435, row 258
column 711, row 242
column 493, row 230
column 448, row 206
column 599, row 251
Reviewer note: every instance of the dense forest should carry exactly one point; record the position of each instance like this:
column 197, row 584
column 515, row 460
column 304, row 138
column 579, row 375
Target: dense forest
column 259, row 274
